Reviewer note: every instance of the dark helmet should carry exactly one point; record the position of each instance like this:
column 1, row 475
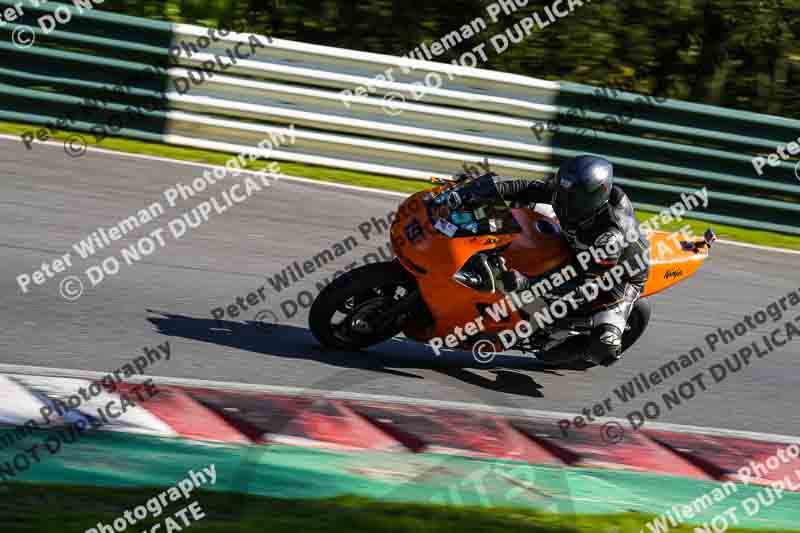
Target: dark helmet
column 581, row 189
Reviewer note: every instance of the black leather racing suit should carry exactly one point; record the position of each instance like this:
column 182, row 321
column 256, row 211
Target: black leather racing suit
column 613, row 223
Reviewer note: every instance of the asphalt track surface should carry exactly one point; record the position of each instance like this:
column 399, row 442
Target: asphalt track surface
column 50, row 201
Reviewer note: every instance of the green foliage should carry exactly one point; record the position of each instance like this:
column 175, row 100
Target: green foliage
column 54, row 509
column 736, row 53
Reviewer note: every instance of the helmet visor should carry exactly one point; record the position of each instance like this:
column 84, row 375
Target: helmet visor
column 569, row 208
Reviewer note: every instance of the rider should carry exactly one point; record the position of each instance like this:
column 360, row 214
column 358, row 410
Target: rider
column 593, row 212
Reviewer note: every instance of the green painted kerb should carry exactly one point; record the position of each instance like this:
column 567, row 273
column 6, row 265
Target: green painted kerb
column 124, row 460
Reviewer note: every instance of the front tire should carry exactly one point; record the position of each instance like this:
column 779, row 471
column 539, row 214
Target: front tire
column 361, row 296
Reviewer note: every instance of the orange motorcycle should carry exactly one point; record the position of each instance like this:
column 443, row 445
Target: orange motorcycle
column 445, row 277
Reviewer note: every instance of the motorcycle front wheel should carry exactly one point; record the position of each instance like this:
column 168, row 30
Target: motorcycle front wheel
column 349, row 314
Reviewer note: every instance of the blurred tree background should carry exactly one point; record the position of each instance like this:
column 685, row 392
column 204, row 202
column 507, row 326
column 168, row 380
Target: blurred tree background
column 742, row 54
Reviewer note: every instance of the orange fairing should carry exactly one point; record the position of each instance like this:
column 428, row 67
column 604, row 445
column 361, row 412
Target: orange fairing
column 534, row 251
column 428, row 248
column 434, row 258
column 670, row 262
column 537, row 248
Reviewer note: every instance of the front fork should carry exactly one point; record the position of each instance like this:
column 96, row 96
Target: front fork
column 406, row 305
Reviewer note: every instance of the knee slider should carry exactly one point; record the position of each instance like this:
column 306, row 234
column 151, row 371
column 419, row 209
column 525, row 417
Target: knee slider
column 606, row 343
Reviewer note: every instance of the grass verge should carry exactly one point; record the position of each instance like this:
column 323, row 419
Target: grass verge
column 734, row 233
column 55, row 509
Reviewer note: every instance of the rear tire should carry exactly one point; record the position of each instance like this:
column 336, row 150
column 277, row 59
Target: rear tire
column 360, row 295
column 637, row 323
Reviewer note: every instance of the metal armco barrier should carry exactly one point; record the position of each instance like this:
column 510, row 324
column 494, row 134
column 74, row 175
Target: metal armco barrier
column 525, row 126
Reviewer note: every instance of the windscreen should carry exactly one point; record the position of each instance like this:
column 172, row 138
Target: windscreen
column 472, row 208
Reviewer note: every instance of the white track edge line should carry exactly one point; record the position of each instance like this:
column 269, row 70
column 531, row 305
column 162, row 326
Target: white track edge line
column 760, row 247
column 341, row 395
column 209, row 165
column 335, row 185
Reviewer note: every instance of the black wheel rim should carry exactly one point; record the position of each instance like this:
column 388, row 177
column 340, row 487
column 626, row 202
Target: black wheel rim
column 355, row 319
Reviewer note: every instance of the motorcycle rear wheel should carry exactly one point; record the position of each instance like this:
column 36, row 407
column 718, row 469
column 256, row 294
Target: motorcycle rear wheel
column 637, row 324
